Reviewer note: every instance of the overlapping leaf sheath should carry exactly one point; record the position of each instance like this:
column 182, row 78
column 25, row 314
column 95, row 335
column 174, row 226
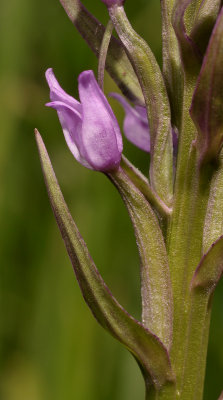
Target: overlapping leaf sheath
column 144, row 345
column 117, row 62
column 204, row 15
column 193, row 22
column 207, row 105
column 155, row 276
column 190, row 53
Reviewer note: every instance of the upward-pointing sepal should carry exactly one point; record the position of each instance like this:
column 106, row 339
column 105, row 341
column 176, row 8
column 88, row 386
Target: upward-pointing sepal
column 145, row 346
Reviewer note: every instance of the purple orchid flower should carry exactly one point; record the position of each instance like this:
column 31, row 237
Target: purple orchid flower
column 90, row 127
column 136, row 127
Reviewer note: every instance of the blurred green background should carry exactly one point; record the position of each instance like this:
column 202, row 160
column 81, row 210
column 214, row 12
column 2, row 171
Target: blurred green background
column 51, row 348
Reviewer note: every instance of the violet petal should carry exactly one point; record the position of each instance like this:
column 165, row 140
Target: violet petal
column 71, row 123
column 58, row 94
column 101, row 136
column 136, row 127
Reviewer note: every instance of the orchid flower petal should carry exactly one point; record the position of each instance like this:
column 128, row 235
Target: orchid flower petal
column 101, row 136
column 58, row 94
column 136, row 127
column 71, row 123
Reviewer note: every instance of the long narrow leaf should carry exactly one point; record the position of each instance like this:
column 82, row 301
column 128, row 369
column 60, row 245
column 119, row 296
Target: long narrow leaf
column 156, row 287
column 146, row 347
column 157, row 103
column 117, row 63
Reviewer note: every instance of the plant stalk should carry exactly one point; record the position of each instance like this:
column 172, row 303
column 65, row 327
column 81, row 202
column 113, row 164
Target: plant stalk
column 185, row 250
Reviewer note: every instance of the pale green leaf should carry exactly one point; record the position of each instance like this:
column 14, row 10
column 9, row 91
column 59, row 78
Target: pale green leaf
column 145, row 346
column 157, row 103
column 156, row 290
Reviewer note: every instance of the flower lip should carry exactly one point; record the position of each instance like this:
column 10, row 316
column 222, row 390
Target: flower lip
column 89, row 126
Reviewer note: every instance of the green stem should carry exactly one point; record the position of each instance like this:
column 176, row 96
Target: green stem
column 103, row 53
column 196, row 345
column 185, row 250
column 167, row 392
